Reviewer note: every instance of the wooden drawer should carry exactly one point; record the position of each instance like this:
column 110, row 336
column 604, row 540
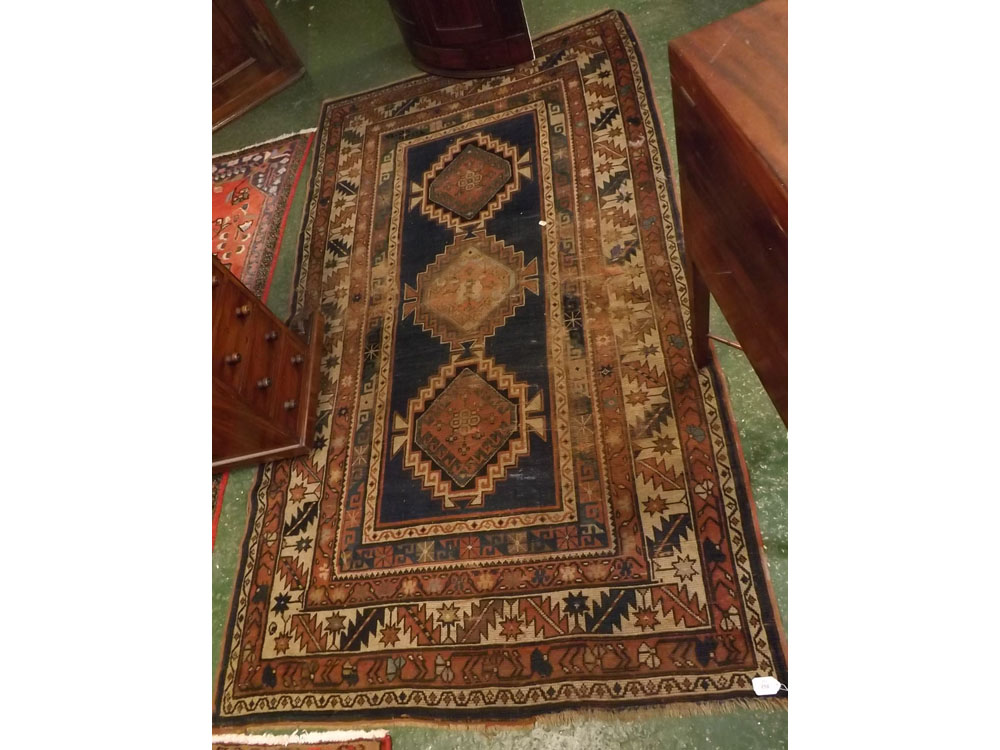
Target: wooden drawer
column 268, row 342
column 290, row 401
column 235, row 316
column 238, row 433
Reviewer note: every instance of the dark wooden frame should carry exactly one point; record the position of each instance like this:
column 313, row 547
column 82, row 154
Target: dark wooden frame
column 268, row 43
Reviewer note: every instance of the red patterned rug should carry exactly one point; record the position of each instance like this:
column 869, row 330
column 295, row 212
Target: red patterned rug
column 524, row 497
column 252, row 191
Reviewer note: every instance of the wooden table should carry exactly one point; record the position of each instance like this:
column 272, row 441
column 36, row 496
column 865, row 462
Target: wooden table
column 730, row 93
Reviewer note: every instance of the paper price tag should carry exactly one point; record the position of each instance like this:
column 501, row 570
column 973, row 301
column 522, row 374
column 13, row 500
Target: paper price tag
column 765, row 685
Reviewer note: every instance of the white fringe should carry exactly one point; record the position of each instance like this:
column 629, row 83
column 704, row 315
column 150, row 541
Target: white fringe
column 263, row 143
column 339, row 735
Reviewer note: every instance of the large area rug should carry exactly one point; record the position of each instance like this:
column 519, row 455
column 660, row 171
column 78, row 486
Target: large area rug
column 524, row 497
column 252, row 191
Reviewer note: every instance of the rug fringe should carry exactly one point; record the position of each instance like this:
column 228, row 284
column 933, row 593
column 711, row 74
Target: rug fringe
column 263, row 143
column 335, row 735
column 559, row 717
column 672, row 710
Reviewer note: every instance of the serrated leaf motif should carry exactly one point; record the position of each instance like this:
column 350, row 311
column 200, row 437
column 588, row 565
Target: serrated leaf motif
column 302, row 518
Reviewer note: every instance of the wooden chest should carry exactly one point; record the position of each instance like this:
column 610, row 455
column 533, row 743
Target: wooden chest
column 730, row 94
column 251, row 58
column 265, row 377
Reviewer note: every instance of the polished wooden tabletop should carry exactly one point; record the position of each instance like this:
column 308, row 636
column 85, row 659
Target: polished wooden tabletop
column 730, row 92
column 742, row 63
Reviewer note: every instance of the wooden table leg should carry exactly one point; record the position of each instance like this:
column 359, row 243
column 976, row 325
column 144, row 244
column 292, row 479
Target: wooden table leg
column 698, row 294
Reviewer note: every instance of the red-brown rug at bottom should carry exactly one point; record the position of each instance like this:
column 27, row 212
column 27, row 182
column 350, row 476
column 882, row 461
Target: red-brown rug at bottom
column 334, row 740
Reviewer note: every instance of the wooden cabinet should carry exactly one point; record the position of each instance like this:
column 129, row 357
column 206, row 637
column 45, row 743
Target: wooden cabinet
column 265, row 378
column 730, row 93
column 464, row 38
column 251, row 58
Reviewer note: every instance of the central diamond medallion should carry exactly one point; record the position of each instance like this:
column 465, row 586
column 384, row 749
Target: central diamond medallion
column 471, row 181
column 470, row 290
column 465, row 426
column 468, row 183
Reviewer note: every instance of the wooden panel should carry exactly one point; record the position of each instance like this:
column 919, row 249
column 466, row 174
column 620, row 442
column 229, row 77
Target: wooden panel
column 238, row 432
column 290, row 386
column 262, row 370
column 231, row 336
column 464, row 37
column 229, row 52
column 456, row 16
column 729, row 84
column 250, row 424
column 251, row 58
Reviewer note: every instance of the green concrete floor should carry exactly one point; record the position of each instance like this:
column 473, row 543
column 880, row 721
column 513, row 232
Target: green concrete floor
column 350, row 46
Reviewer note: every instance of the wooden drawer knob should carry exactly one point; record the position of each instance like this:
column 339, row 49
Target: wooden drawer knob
column 234, row 358
column 215, row 280
column 242, row 311
column 271, row 336
column 264, row 383
column 297, row 359
column 290, row 404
